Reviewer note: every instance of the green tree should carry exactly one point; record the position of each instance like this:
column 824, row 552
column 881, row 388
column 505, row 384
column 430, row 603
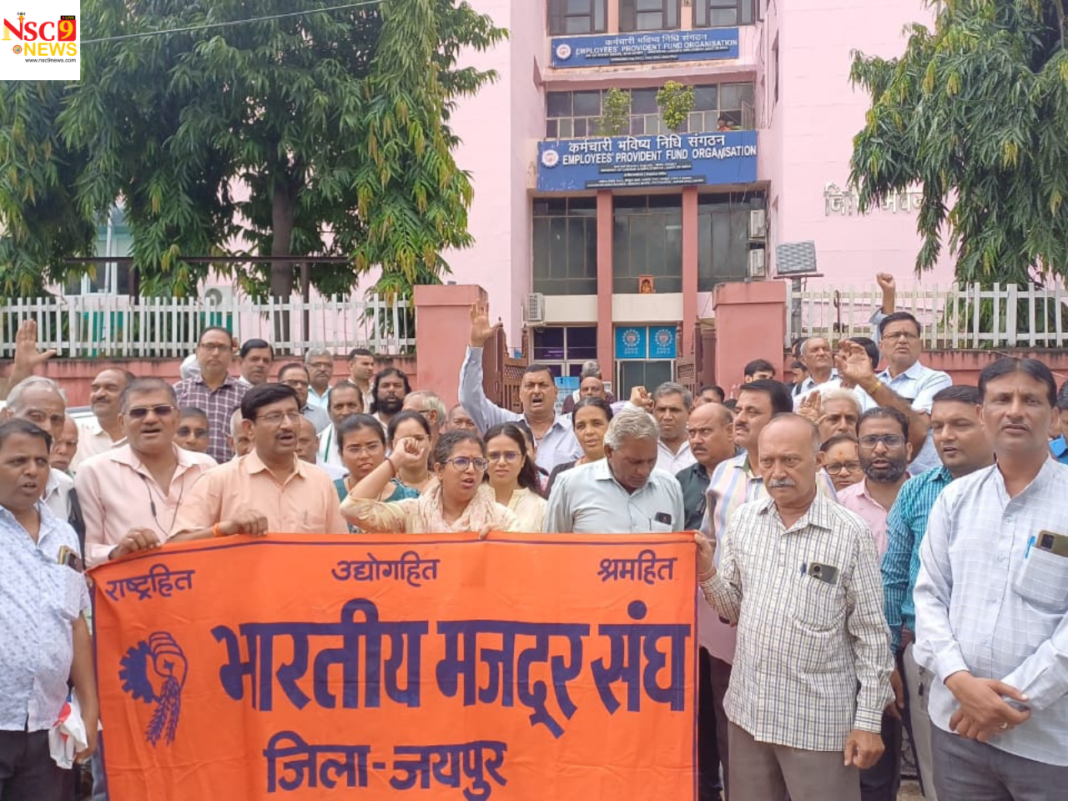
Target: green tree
column 318, row 132
column 675, row 102
column 615, row 120
column 976, row 112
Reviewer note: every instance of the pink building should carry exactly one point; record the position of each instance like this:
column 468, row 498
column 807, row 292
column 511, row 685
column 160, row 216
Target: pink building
column 571, row 225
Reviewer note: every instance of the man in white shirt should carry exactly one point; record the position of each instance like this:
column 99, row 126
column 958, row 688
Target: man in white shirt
column 344, row 400
column 818, row 358
column 625, row 492
column 553, row 434
column 905, row 384
column 320, row 363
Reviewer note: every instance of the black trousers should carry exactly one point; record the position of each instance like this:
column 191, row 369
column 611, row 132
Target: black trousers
column 27, row 770
column 708, row 746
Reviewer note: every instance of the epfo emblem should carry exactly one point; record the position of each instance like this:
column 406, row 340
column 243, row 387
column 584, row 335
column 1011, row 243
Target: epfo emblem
column 550, row 158
column 563, row 51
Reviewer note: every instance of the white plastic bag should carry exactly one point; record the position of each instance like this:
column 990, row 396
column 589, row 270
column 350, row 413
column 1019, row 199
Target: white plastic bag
column 67, row 737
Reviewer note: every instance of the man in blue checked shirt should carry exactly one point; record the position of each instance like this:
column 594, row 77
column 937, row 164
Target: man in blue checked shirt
column 963, row 447
column 992, row 605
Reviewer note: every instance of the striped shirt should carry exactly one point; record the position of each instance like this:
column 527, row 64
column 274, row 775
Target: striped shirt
column 804, row 643
column 733, row 484
column 992, row 601
column 905, row 526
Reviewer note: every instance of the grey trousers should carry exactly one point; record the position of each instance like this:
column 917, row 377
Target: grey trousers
column 918, row 686
column 967, row 770
column 765, row 772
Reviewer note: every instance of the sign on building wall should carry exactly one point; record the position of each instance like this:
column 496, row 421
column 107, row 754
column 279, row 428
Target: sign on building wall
column 640, row 48
column 646, row 342
column 625, row 162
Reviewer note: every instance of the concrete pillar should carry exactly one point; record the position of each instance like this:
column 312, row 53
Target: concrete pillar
column 605, row 333
column 689, row 268
column 442, row 325
column 750, row 324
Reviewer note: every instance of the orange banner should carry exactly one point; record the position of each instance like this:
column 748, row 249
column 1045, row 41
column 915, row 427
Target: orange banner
column 395, row 667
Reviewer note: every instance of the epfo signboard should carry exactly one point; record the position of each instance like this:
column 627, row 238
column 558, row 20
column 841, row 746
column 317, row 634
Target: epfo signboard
column 642, row 48
column 624, row 162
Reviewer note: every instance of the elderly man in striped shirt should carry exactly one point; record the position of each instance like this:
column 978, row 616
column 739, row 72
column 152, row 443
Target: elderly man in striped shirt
column 800, row 578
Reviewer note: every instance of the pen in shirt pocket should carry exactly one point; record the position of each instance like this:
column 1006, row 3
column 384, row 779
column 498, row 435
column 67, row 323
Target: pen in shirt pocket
column 1030, row 544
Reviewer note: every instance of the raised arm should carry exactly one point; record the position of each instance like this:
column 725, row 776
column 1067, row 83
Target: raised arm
column 27, row 357
column 472, row 396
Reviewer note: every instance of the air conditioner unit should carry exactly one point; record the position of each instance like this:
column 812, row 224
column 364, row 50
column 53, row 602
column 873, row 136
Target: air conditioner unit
column 534, row 312
column 218, row 295
column 758, row 224
column 757, row 267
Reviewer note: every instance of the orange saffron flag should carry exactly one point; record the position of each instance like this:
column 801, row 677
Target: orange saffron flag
column 520, row 668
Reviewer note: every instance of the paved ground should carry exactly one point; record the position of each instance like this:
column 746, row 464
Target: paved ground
column 910, row 791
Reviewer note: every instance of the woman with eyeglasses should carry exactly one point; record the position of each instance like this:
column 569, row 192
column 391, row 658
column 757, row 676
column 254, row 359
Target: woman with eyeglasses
column 514, row 477
column 410, row 482
column 362, row 445
column 840, row 457
column 589, row 420
column 459, row 501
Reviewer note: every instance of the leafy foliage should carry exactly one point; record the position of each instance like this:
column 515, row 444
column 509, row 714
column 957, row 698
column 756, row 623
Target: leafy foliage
column 975, row 111
column 675, row 102
column 615, row 120
column 319, row 134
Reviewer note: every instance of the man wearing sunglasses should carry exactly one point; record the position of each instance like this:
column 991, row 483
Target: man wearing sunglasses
column 298, row 497
column 130, row 494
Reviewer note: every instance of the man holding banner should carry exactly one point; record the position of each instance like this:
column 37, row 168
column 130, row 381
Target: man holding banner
column 800, row 578
column 294, row 496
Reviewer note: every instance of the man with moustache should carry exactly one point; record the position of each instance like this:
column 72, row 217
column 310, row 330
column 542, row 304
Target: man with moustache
column 294, row 495
column 553, row 435
column 44, row 638
column 320, row 364
column 131, row 494
column 834, row 410
column 992, row 604
column 361, row 371
column 799, row 577
column 963, row 447
column 735, row 482
column 255, row 357
column 105, row 430
column 295, row 375
column 64, row 448
column 884, row 457
column 711, row 432
column 391, row 387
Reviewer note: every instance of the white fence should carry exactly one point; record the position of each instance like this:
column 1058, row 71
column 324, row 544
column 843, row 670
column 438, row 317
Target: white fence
column 114, row 326
column 954, row 317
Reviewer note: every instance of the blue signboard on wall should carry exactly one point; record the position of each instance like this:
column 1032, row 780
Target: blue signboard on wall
column 662, row 342
column 625, row 162
column 641, row 48
column 632, row 342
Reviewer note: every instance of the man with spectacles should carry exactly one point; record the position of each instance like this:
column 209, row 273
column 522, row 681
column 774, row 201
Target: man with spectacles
column 293, row 495
column 905, row 385
column 431, row 407
column 296, row 375
column 130, row 495
column 192, row 433
column 214, row 390
column 884, row 456
column 964, row 447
